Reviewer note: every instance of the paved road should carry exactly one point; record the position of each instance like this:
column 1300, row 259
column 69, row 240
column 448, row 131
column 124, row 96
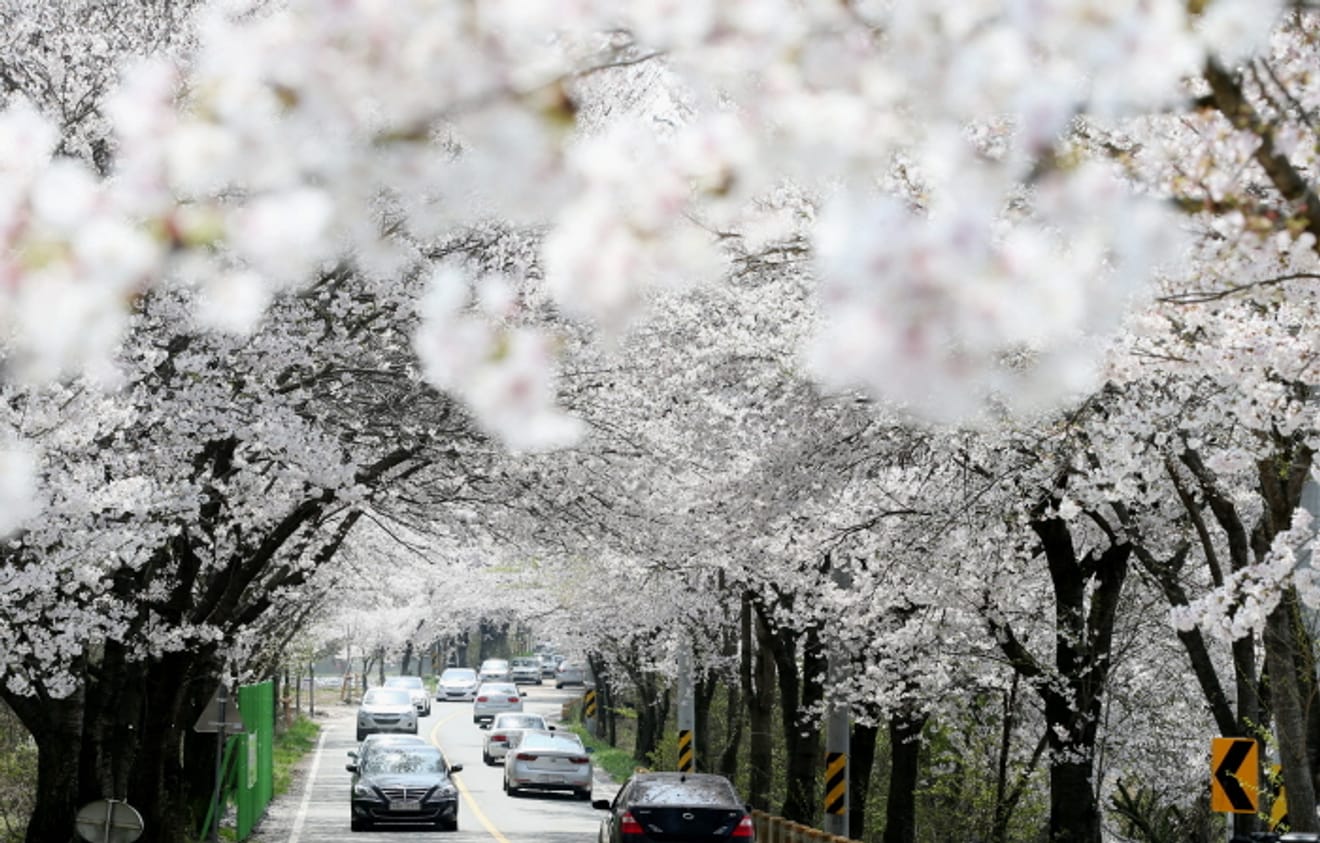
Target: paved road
column 316, row 808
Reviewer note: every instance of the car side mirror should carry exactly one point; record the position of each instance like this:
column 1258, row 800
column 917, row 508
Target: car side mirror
column 522, row 693
column 455, row 768
column 549, row 728
column 600, row 804
column 352, row 768
column 590, row 749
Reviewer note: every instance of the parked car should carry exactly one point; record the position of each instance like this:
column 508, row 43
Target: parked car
column 549, row 761
column 549, row 662
column 506, row 731
column 403, row 784
column 457, row 683
column 386, row 710
column 697, row 807
column 415, row 688
column 494, row 698
column 526, row 670
column 570, row 673
column 495, row 670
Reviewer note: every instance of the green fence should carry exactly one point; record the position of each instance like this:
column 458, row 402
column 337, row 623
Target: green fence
column 249, row 760
column 253, row 785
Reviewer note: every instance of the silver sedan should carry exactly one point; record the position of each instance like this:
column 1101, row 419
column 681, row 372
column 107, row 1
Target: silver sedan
column 506, row 732
column 549, row 761
column 494, row 698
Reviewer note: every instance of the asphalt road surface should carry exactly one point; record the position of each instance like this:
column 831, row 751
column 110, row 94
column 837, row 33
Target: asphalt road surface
column 316, row 809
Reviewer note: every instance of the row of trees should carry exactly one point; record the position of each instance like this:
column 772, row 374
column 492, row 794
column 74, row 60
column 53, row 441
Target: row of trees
column 404, row 239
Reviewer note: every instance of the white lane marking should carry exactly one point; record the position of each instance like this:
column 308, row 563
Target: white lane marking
column 307, row 791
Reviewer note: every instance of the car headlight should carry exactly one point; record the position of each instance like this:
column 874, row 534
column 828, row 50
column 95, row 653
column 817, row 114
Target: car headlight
column 363, row 718
column 365, row 790
column 445, row 791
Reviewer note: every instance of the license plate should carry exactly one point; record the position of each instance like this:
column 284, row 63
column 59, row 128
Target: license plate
column 406, row 805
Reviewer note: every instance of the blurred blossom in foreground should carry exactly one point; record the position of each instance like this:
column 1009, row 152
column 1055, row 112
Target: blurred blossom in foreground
column 18, row 493
column 268, row 153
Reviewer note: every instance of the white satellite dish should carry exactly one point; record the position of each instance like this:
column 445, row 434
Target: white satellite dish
column 109, row 821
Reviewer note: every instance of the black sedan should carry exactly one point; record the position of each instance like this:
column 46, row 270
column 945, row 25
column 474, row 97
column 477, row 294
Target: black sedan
column 404, row 784
column 693, row 807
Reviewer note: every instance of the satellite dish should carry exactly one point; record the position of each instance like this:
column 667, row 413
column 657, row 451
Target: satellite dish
column 109, row 821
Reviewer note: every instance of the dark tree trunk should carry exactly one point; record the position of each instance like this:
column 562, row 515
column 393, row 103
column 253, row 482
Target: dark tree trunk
column 758, row 679
column 733, row 732
column 56, row 726
column 406, row 662
column 798, row 693
column 860, row 764
column 91, row 746
column 652, row 712
column 802, row 732
column 1086, row 595
column 905, row 749
column 703, row 693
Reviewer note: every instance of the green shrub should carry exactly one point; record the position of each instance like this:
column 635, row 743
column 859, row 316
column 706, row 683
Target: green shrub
column 297, row 741
column 18, row 777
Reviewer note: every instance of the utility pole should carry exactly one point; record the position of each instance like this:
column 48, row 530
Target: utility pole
column 687, row 714
column 223, row 699
column 837, row 729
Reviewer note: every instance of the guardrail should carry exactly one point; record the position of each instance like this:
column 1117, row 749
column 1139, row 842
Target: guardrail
column 772, row 829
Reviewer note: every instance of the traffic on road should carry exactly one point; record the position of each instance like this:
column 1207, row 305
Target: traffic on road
column 484, row 812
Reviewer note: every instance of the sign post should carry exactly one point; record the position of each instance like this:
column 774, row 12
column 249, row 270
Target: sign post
column 219, row 715
column 1234, row 775
column 686, row 710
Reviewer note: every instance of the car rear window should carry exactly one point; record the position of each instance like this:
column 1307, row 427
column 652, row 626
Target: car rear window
column 498, row 689
column 404, row 682
column 520, row 721
column 550, row 740
column 692, row 791
column 386, row 696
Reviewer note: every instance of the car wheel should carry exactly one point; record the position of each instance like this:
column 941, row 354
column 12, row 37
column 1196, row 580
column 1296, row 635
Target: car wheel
column 487, row 759
column 583, row 795
column 360, row 825
column 449, row 825
column 361, row 735
column 558, row 686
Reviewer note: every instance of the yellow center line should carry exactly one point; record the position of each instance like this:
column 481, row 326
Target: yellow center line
column 463, row 789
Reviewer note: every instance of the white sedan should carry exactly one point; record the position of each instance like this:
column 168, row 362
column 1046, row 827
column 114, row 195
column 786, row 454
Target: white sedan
column 549, row 761
column 457, row 683
column 495, row 698
column 506, row 732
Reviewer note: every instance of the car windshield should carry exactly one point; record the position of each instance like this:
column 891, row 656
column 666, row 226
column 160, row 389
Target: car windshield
column 550, row 740
column 410, row 760
column 404, row 682
column 495, row 664
column 458, row 674
column 524, row 663
column 386, row 696
column 520, row 721
column 693, row 791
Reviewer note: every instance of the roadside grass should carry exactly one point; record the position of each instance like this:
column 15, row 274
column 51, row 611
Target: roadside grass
column 293, row 744
column 616, row 762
